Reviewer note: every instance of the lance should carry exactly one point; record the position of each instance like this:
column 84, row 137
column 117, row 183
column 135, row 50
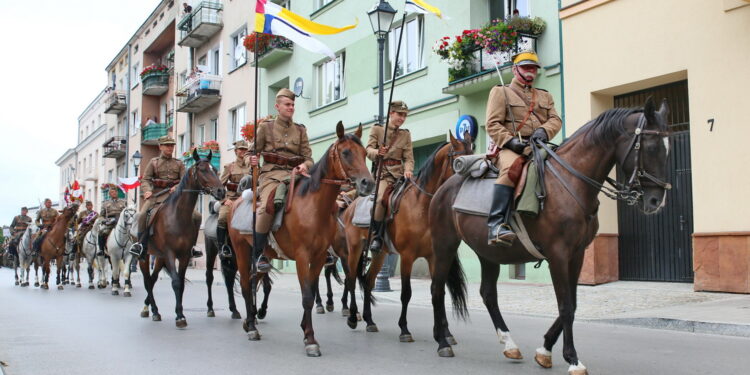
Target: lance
column 256, row 168
column 379, row 159
column 507, row 105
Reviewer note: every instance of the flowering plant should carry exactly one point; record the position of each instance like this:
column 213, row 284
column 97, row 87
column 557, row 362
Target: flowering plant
column 210, row 145
column 263, row 41
column 153, row 69
column 248, row 131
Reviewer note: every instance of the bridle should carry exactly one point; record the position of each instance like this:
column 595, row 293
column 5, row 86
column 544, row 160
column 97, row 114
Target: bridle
column 338, row 166
column 203, row 189
column 121, row 229
column 452, row 153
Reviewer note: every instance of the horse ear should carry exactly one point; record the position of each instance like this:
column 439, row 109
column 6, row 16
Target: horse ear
column 664, row 108
column 340, row 130
column 467, row 136
column 452, row 138
column 210, row 154
column 195, row 155
column 649, row 110
column 358, row 132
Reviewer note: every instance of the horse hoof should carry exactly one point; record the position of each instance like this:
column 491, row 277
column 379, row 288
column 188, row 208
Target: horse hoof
column 17, row 283
column 312, row 350
column 451, row 340
column 446, row 352
column 359, row 317
column 261, row 314
column 59, row 287
column 78, row 285
column 406, row 338
column 352, row 323
column 236, row 315
column 144, row 313
column 36, row 284
column 345, row 312
column 320, row 310
column 180, row 323
column 578, row 369
column 253, row 335
column 372, row 328
column 115, row 293
column 91, row 287
column 211, row 314
column 100, row 286
column 126, row 294
column 156, row 318
column 45, row 287
column 329, row 308
column 543, row 360
column 513, row 354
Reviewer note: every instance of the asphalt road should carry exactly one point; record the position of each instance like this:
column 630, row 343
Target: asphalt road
column 81, row 331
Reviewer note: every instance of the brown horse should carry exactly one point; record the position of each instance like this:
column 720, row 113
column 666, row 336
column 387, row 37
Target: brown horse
column 308, row 228
column 409, row 232
column 634, row 140
column 175, row 230
column 53, row 245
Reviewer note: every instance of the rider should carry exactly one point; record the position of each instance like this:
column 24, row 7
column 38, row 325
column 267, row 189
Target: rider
column 45, row 218
column 17, row 227
column 110, row 213
column 284, row 147
column 230, row 177
column 397, row 158
column 83, row 225
column 533, row 117
column 161, row 177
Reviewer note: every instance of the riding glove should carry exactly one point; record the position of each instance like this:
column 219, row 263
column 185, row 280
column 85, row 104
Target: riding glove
column 539, row 135
column 515, row 145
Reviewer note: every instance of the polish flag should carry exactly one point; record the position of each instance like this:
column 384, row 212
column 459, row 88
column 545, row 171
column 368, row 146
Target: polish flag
column 128, row 183
column 76, row 192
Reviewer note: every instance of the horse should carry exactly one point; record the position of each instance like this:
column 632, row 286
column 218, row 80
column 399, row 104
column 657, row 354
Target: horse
column 89, row 248
column 409, row 232
column 308, row 228
column 175, row 230
column 635, row 140
column 71, row 261
column 53, row 245
column 118, row 244
column 26, row 256
column 228, row 265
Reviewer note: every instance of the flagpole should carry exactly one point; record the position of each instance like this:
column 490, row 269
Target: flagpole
column 255, row 153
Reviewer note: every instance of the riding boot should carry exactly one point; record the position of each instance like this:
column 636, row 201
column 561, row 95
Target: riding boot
column 259, row 244
column 195, row 253
column 377, row 236
column 37, row 245
column 500, row 232
column 102, row 244
column 221, row 238
column 139, row 248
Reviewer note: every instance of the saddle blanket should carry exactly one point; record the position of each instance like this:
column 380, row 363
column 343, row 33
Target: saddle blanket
column 363, row 211
column 242, row 218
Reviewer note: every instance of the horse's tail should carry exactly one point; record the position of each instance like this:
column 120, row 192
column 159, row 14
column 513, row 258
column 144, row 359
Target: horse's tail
column 456, row 283
column 335, row 274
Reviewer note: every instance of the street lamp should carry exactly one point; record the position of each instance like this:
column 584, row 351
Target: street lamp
column 381, row 17
column 136, row 163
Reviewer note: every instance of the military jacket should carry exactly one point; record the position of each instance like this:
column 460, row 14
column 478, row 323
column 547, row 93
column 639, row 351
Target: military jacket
column 285, row 138
column 161, row 170
column 400, row 149
column 500, row 121
column 112, row 208
column 20, row 223
column 46, row 216
column 232, row 174
column 81, row 216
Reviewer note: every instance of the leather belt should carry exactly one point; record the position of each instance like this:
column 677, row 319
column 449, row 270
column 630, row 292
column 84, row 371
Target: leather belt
column 164, row 183
column 232, row 186
column 391, row 162
column 272, row 158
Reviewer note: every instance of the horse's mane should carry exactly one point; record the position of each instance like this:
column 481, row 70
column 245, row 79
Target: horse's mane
column 428, row 168
column 605, row 128
column 181, row 186
column 318, row 170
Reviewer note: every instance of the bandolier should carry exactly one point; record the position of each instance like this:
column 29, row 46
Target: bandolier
column 81, row 225
column 231, row 176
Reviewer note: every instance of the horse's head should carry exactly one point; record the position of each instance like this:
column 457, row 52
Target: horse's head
column 348, row 160
column 643, row 155
column 204, row 176
column 459, row 147
column 70, row 210
column 127, row 216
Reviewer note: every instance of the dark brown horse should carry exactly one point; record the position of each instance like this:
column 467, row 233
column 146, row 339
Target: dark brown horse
column 308, row 228
column 634, row 140
column 53, row 245
column 175, row 230
column 409, row 232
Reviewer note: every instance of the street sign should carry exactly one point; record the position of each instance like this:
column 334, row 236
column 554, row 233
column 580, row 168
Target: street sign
column 467, row 123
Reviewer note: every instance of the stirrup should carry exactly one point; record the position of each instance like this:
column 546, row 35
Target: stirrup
column 330, row 260
column 226, row 251
column 504, row 236
column 262, row 265
column 376, row 245
column 195, row 253
column 136, row 249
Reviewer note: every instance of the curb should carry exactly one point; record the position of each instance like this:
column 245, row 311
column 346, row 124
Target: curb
column 724, row 329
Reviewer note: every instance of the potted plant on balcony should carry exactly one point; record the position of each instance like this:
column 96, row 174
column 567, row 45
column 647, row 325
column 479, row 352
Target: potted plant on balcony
column 203, row 150
column 153, row 69
column 263, row 41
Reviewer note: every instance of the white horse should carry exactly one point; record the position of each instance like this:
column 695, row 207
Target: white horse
column 89, row 250
column 72, row 260
column 118, row 246
column 26, row 256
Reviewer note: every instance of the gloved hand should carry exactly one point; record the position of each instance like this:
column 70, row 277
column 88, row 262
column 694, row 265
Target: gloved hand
column 515, row 145
column 539, row 135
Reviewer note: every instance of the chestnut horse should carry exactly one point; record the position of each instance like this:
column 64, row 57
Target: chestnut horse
column 308, row 228
column 175, row 230
column 634, row 140
column 53, row 245
column 409, row 232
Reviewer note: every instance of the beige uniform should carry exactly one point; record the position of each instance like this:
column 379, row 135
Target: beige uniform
column 46, row 217
column 80, row 229
column 280, row 142
column 500, row 122
column 161, row 174
column 111, row 210
column 398, row 160
column 230, row 177
column 19, row 225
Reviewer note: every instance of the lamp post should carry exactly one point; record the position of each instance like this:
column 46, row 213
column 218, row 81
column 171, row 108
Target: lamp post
column 136, row 163
column 381, row 17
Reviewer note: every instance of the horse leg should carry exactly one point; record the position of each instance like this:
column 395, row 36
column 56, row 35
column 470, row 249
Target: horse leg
column 149, row 280
column 210, row 261
column 308, row 274
column 229, row 271
column 247, row 285
column 127, row 263
column 115, row 261
column 266, row 293
column 407, row 261
column 90, row 269
column 59, row 271
column 178, row 284
column 369, row 283
column 445, row 257
column 329, row 291
column 318, row 300
column 488, row 291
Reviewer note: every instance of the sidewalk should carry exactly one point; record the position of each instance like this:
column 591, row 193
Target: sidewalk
column 657, row 305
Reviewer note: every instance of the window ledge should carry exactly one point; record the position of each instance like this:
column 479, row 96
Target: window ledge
column 421, row 72
column 324, row 8
column 328, row 107
column 237, row 67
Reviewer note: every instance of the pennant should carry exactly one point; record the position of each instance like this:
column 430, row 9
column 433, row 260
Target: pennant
column 421, row 6
column 128, row 183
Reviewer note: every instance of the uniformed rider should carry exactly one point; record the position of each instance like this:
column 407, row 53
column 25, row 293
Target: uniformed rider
column 45, row 218
column 397, row 156
column 531, row 116
column 110, row 213
column 230, row 177
column 84, row 222
column 18, row 227
column 284, row 147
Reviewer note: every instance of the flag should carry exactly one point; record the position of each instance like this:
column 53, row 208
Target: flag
column 67, row 195
column 128, row 183
column 420, row 6
column 76, row 192
column 272, row 19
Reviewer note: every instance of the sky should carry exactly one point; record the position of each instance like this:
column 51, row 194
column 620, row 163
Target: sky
column 54, row 58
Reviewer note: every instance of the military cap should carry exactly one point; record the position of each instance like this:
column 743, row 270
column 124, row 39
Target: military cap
column 398, row 106
column 526, row 58
column 286, row 93
column 24, row 208
column 88, row 201
column 166, row 140
column 241, row 144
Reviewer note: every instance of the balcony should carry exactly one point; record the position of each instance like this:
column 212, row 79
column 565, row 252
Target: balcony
column 479, row 74
column 277, row 49
column 114, row 147
column 150, row 134
column 115, row 103
column 155, row 84
column 199, row 93
column 200, row 25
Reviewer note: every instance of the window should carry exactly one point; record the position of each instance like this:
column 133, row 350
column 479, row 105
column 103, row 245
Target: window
column 321, row 3
column 237, row 118
column 110, row 176
column 182, row 143
column 201, row 133
column 503, row 9
column 135, row 122
column 214, row 58
column 330, row 79
column 410, row 58
column 202, row 60
column 135, row 76
column 284, row 3
column 239, row 53
column 213, row 129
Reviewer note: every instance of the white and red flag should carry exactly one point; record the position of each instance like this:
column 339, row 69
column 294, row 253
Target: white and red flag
column 127, row 183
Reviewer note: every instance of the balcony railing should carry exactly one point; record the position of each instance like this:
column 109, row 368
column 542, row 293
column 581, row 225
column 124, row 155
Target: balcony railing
column 155, row 84
column 277, row 49
column 150, row 134
column 199, row 93
column 114, row 147
column 115, row 102
column 200, row 25
column 478, row 74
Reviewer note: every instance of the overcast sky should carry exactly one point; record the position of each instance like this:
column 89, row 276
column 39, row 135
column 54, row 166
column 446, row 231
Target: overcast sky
column 52, row 67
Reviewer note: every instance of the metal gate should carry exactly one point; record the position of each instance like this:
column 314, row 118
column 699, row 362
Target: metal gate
column 659, row 247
